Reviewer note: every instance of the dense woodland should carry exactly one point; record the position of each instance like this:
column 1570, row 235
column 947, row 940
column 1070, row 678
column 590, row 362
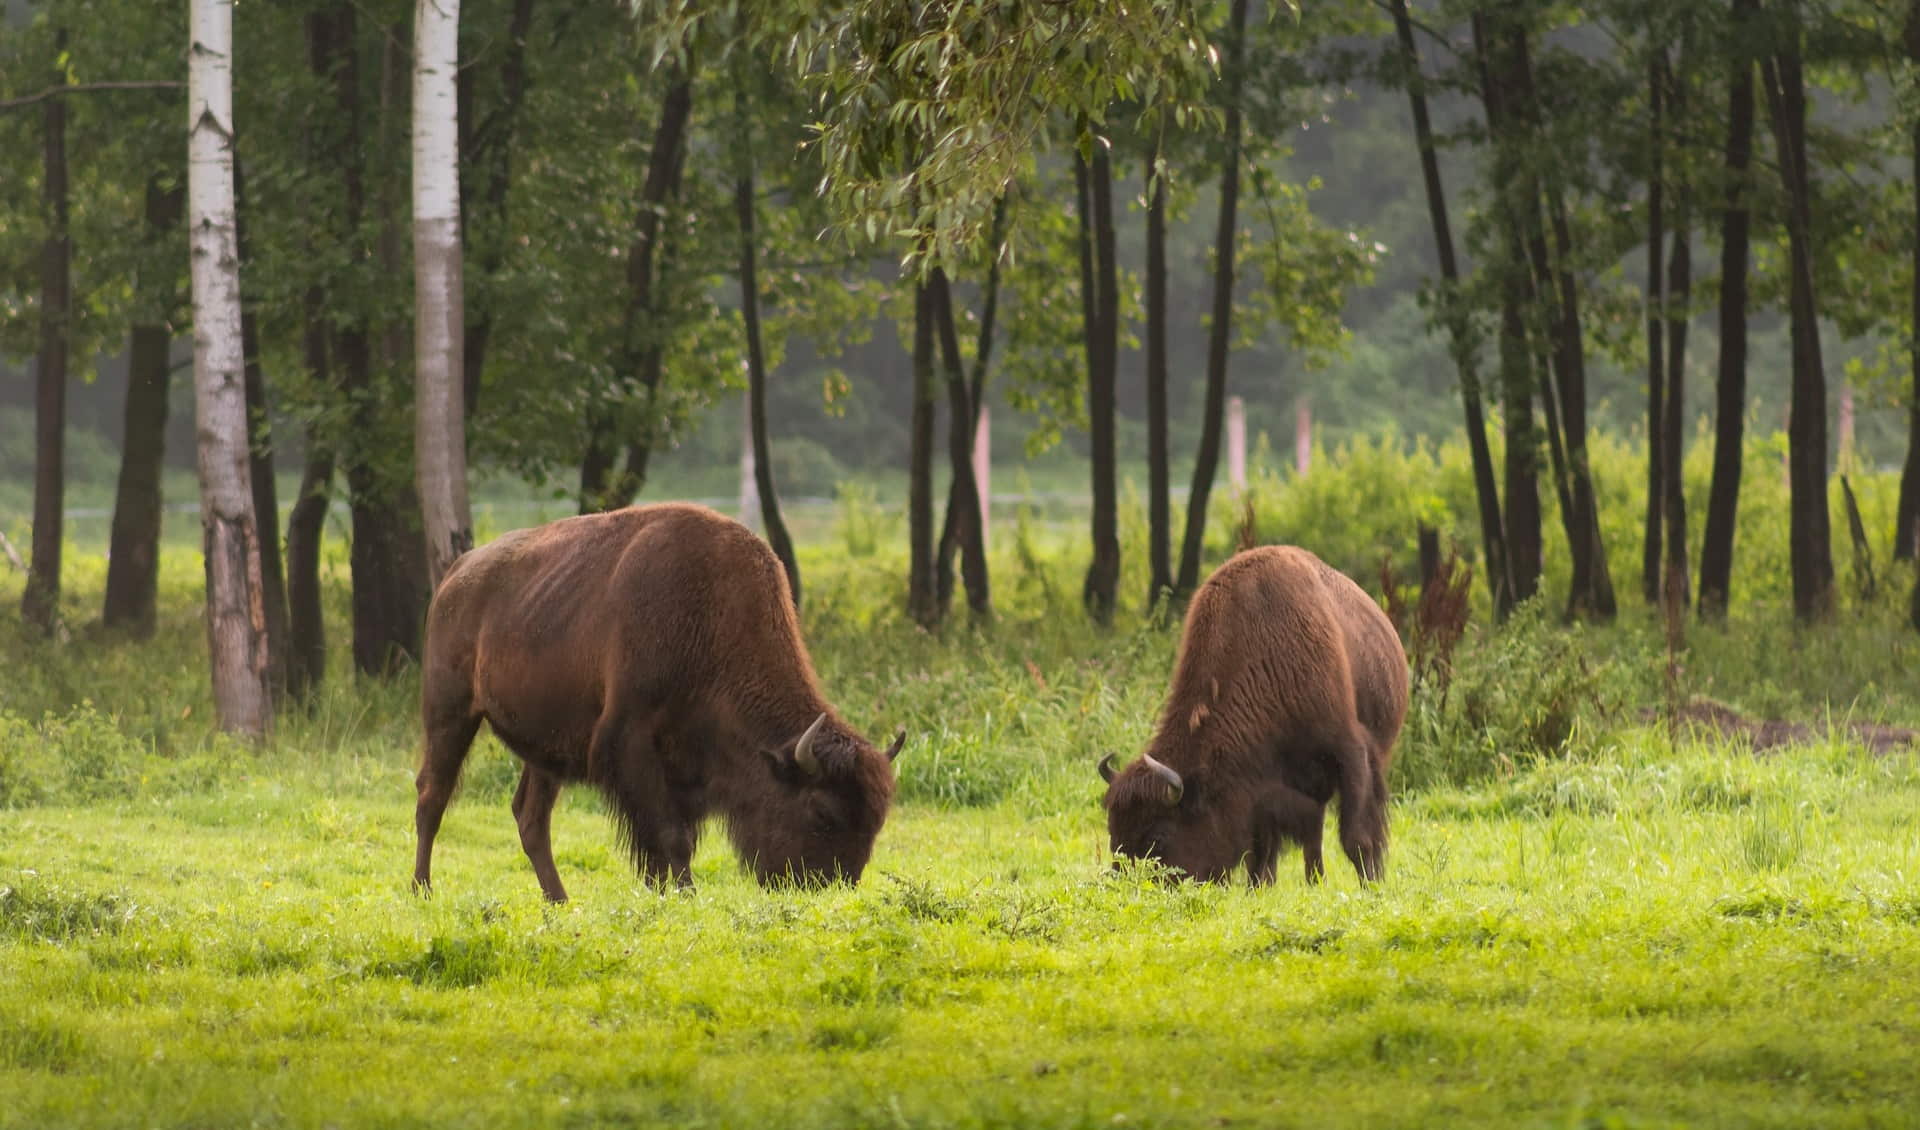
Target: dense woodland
column 1686, row 226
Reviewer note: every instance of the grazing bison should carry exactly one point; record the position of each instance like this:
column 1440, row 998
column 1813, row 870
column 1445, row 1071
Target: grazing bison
column 1290, row 688
column 653, row 652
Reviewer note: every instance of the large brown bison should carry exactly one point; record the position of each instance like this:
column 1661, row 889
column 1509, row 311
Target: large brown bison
column 1290, row 688
column 652, row 652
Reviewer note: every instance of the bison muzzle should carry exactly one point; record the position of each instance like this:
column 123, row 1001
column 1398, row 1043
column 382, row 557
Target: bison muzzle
column 652, row 652
column 1290, row 689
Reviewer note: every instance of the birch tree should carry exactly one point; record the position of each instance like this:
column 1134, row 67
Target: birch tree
column 236, row 613
column 438, row 336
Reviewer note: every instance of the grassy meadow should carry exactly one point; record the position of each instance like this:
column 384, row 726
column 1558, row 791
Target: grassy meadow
column 1590, row 918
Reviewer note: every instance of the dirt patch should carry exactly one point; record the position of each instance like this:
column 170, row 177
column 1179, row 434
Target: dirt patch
column 1704, row 716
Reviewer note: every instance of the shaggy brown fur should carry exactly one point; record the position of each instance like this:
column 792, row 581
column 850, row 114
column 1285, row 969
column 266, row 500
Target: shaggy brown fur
column 653, row 652
column 1290, row 688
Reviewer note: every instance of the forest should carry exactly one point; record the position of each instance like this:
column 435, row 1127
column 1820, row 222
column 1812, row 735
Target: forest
column 1585, row 339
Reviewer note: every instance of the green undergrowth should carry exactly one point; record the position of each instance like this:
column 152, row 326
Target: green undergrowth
column 1659, row 937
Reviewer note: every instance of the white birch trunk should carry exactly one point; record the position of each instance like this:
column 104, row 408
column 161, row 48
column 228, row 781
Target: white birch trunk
column 236, row 613
column 438, row 332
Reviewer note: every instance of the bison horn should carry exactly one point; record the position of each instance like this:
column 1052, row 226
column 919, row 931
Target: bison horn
column 1106, row 769
column 1175, row 786
column 899, row 740
column 803, row 754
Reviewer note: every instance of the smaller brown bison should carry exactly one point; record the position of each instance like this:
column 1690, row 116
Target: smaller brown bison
column 653, row 652
column 1290, row 688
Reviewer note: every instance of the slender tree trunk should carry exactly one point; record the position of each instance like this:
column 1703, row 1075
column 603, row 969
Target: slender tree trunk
column 1730, row 386
column 1673, row 415
column 976, row 401
column 1590, row 593
column 388, row 554
column 1907, row 514
column 1103, row 573
column 236, row 616
column 489, row 161
column 133, row 556
column 1652, row 552
column 1492, row 533
column 440, row 442
column 40, row 602
column 306, row 654
column 770, row 518
column 921, row 603
column 1207, row 459
column 972, row 543
column 647, row 259
column 1519, row 199
column 1809, row 527
column 266, row 500
column 1159, row 513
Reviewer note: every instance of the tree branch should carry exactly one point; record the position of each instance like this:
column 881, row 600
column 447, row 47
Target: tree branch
column 89, row 88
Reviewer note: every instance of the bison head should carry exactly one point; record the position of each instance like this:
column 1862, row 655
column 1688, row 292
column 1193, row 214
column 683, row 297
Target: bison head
column 828, row 798
column 1155, row 813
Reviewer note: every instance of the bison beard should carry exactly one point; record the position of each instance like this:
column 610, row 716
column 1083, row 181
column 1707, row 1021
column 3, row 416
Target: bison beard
column 1290, row 689
column 653, row 652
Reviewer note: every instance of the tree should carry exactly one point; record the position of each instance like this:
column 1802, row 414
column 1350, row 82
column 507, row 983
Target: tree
column 1102, row 312
column 1159, row 514
column 133, row 556
column 1454, row 316
column 1207, row 459
column 1906, row 536
column 922, row 591
column 962, row 413
column 439, row 335
column 1810, row 535
column 1730, row 385
column 976, row 402
column 1651, row 542
column 1666, row 444
column 40, row 602
column 236, row 625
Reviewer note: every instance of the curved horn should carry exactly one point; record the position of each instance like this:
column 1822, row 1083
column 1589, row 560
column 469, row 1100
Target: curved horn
column 1106, row 769
column 803, row 754
column 1175, row 786
column 899, row 740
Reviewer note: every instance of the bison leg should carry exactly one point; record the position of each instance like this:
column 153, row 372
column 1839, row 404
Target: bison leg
column 450, row 724
column 659, row 832
column 533, row 812
column 1363, row 811
column 1295, row 816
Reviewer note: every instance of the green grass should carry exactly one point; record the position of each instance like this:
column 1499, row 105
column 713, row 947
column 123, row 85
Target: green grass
column 1584, row 923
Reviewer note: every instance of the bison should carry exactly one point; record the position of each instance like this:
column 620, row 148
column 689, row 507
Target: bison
column 1290, row 688
column 653, row 652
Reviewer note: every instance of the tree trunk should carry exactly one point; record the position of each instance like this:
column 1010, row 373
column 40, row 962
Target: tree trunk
column 440, row 442
column 770, row 518
column 388, row 555
column 972, row 542
column 1207, row 459
column 1159, row 513
column 976, row 402
column 1730, row 385
column 40, row 602
column 1673, row 415
column 645, row 348
column 1809, row 528
column 1907, row 515
column 266, row 501
column 489, row 150
column 1103, row 572
column 1519, row 199
column 133, row 556
column 1652, row 552
column 306, row 655
column 922, row 604
column 1590, row 593
column 1492, row 532
column 236, row 616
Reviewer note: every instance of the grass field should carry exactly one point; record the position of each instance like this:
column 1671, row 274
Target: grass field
column 1586, row 921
